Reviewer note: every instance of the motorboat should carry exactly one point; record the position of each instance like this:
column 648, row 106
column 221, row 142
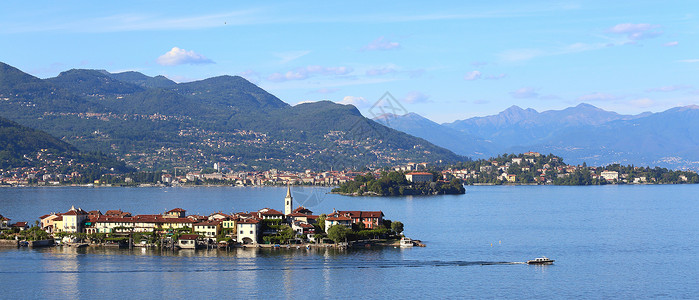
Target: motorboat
column 540, row 261
column 406, row 242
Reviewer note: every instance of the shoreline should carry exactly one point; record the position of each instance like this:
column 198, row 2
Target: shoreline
column 315, row 186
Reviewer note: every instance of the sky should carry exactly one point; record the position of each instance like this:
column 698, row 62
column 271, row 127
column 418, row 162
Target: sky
column 445, row 61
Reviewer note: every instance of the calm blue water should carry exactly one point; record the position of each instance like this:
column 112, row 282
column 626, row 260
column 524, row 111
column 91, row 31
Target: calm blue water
column 608, row 242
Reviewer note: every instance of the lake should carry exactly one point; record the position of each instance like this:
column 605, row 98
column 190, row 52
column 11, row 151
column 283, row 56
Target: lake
column 608, row 242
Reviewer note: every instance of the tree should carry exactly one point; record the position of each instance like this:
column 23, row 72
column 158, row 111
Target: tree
column 338, row 233
column 321, row 221
column 397, row 226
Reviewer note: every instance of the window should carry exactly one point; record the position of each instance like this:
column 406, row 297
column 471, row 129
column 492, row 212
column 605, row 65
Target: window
column 250, row 231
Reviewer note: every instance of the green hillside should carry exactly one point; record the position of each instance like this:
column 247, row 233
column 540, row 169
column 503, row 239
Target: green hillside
column 224, row 119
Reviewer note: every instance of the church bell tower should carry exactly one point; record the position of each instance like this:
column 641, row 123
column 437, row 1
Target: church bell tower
column 288, row 201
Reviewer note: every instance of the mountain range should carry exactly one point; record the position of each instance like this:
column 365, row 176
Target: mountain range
column 154, row 123
column 583, row 133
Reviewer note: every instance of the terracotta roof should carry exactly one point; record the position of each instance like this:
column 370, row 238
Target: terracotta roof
column 176, row 210
column 212, row 223
column 419, row 173
column 338, row 218
column 189, row 237
column 302, row 210
column 270, row 211
column 248, row 221
column 40, row 218
column 20, row 224
column 362, row 214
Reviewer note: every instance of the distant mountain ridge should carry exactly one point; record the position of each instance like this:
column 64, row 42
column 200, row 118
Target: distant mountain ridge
column 155, row 123
column 583, row 133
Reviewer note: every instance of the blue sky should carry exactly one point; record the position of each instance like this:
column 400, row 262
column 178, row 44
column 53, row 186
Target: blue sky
column 446, row 61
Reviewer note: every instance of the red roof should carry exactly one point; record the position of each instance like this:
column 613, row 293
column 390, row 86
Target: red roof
column 189, row 237
column 20, row 224
column 419, row 173
column 338, row 218
column 302, row 210
column 362, row 214
column 176, row 210
column 271, row 212
column 248, row 221
column 212, row 223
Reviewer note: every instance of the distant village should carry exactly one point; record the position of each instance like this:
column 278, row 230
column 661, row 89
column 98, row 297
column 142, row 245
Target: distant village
column 175, row 228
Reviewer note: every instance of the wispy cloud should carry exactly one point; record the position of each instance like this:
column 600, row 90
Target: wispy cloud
column 177, row 56
column 669, row 88
column 381, row 43
column 380, row 71
column 516, row 55
column 671, row 44
column 285, row 57
column 473, row 75
column 691, row 61
column 524, row 93
column 309, row 71
column 598, row 97
column 416, row 97
column 636, row 31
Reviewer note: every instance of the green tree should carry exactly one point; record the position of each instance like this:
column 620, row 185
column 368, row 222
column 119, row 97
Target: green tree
column 338, row 233
column 397, row 227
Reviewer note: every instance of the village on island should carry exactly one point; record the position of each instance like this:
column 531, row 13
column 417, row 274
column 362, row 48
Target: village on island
column 174, row 229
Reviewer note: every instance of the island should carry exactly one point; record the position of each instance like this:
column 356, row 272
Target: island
column 397, row 183
column 174, row 229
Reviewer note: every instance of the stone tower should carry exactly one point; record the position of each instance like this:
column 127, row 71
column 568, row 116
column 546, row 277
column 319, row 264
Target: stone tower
column 288, row 201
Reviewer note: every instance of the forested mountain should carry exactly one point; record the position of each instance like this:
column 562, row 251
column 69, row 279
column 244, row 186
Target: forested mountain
column 25, row 147
column 154, row 123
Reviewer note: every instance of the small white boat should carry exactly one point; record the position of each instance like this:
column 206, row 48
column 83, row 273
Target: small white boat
column 406, row 242
column 540, row 261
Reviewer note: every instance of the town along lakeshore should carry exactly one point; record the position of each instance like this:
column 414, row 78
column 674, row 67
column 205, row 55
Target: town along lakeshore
column 606, row 241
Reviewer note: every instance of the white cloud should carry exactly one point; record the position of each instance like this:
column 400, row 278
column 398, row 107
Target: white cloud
column 525, row 92
column 671, row 44
column 178, row 56
column 473, row 75
column 694, row 60
column 356, row 101
column 381, row 43
column 416, row 97
column 309, row 71
column 636, row 31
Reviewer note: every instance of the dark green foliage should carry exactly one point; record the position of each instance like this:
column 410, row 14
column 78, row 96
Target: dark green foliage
column 395, row 184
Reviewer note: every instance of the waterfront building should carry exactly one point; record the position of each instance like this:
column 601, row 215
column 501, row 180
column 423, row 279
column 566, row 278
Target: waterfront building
column 610, row 175
column 209, row 229
column 4, row 222
column 248, row 230
column 370, row 219
column 74, row 219
column 418, row 177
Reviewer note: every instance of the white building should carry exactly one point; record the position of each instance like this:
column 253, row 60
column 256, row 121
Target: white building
column 248, row 231
column 610, row 175
column 419, row 177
